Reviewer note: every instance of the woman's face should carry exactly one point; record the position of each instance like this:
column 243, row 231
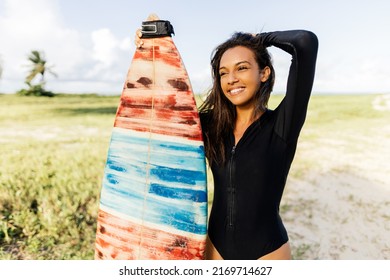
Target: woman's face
column 240, row 75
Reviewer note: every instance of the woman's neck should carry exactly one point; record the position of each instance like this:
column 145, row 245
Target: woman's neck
column 244, row 118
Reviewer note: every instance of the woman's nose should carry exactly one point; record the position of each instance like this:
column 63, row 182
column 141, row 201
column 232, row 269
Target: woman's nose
column 232, row 78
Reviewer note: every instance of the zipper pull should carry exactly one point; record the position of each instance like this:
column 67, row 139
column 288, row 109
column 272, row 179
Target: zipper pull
column 233, row 150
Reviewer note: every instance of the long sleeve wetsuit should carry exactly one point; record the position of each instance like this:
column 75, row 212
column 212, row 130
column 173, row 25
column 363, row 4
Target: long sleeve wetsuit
column 244, row 221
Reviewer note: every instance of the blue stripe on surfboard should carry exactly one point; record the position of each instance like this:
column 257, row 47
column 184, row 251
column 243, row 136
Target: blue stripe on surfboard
column 177, row 193
column 173, row 189
column 181, row 217
column 170, row 175
column 111, row 181
column 136, row 146
column 178, row 214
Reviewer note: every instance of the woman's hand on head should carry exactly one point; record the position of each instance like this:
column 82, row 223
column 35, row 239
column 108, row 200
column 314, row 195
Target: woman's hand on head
column 138, row 34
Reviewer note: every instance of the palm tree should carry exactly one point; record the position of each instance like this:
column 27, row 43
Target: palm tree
column 38, row 66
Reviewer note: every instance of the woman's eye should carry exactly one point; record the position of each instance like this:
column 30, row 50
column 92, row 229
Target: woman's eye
column 242, row 68
column 222, row 74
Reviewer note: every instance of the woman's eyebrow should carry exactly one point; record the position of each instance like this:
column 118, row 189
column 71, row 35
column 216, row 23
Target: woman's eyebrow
column 238, row 63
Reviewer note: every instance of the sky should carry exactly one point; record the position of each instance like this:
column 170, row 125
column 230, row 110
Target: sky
column 90, row 43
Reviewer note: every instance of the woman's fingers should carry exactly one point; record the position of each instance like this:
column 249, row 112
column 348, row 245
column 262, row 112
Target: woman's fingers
column 138, row 34
column 138, row 41
column 152, row 16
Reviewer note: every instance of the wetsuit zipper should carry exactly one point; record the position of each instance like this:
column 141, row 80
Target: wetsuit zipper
column 232, row 189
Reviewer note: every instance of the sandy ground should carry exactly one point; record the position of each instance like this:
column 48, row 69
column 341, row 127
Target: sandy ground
column 341, row 208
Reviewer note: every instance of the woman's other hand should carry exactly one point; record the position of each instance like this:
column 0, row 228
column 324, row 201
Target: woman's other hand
column 138, row 34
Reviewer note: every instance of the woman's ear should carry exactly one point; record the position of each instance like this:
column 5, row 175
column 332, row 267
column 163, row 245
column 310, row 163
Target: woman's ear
column 265, row 72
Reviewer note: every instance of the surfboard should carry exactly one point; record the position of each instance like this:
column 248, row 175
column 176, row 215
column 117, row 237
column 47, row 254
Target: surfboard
column 153, row 200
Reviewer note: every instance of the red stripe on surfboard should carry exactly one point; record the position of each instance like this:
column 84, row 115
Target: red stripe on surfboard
column 155, row 53
column 169, row 115
column 120, row 239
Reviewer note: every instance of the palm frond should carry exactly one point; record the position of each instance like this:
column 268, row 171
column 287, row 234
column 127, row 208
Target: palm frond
column 36, row 57
column 38, row 67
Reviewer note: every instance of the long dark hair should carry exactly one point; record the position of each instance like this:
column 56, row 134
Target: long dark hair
column 221, row 111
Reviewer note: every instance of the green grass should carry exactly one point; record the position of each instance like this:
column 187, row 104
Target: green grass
column 53, row 152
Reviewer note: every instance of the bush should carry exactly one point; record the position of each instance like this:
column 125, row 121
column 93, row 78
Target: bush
column 35, row 90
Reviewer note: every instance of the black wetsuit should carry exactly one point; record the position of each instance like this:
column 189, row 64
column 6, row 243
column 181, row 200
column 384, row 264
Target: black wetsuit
column 244, row 221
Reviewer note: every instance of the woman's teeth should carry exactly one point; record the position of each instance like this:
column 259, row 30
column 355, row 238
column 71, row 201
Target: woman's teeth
column 236, row 90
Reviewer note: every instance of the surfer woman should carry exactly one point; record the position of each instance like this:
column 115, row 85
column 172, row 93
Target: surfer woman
column 249, row 147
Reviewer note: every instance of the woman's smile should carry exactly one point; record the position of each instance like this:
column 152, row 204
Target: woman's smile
column 236, row 91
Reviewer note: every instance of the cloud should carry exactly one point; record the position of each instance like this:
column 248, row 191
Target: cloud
column 35, row 25
column 108, row 53
column 351, row 74
column 104, row 44
column 83, row 62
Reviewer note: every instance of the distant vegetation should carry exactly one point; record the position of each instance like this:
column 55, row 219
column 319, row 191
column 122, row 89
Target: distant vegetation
column 38, row 69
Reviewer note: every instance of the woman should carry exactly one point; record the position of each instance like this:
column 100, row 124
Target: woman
column 249, row 147
column 255, row 145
